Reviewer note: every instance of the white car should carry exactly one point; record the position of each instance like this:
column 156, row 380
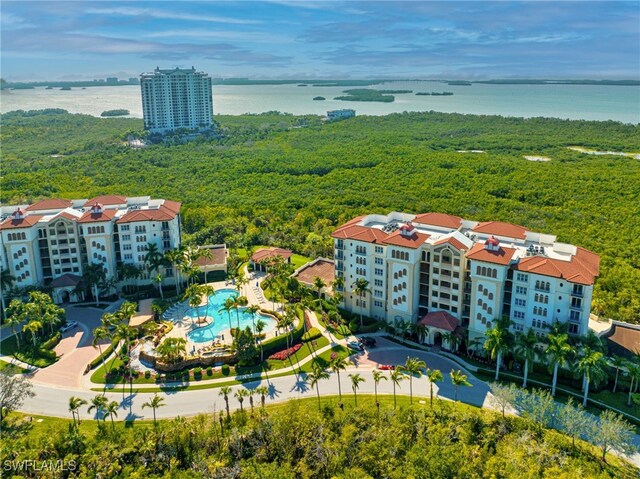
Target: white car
column 69, row 326
column 354, row 344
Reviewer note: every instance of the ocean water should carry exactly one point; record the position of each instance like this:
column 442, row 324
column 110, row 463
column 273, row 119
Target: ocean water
column 576, row 102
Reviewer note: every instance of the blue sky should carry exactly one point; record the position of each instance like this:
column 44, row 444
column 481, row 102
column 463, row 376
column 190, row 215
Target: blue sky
column 323, row 39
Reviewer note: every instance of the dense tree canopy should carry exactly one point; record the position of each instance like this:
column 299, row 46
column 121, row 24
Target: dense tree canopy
column 275, row 178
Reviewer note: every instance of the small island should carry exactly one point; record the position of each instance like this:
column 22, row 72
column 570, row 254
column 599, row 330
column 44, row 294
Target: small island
column 459, row 83
column 303, row 84
column 319, row 98
column 65, row 88
column 120, row 112
column 397, row 92
column 365, row 94
column 434, row 93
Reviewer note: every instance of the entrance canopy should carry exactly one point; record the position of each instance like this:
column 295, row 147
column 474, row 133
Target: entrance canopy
column 440, row 320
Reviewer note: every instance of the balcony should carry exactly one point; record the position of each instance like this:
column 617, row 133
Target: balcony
column 541, row 289
column 340, row 256
column 577, row 293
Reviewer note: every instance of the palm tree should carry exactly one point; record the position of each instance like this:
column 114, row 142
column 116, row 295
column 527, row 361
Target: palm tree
column 314, row 377
column 111, row 410
column 593, row 367
column 421, row 332
column 228, row 306
column 6, row 281
column 337, row 283
column 94, row 275
column 239, row 302
column 74, row 405
column 396, row 376
column 356, row 379
column 98, row 403
column 16, row 314
column 172, row 350
column 361, row 288
column 99, row 334
column 240, row 394
column 526, row 349
column 497, row 341
column 126, row 312
column 207, row 290
column 253, row 310
column 377, row 376
column 318, row 283
column 33, row 327
column 224, row 392
column 154, row 403
column 262, row 391
column 174, row 257
column 260, row 325
column 472, row 346
column 337, row 364
column 435, row 376
column 633, row 370
column 617, row 362
column 412, row 367
column 458, row 379
column 193, row 294
column 557, row 353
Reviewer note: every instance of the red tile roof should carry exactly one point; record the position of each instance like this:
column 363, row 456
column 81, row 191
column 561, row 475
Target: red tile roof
column 105, row 215
column 172, row 205
column 218, row 256
column 453, row 242
column 322, row 268
column 414, row 241
column 65, row 281
column 26, row 222
column 64, row 214
column 107, row 200
column 574, row 271
column 51, row 204
column 266, row 253
column 359, row 233
column 439, row 219
column 163, row 213
column 502, row 256
column 501, row 229
column 440, row 320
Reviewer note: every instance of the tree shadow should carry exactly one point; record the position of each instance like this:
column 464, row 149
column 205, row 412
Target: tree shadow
column 300, row 385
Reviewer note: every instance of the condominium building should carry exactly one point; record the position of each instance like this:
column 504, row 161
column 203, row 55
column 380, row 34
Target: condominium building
column 178, row 98
column 450, row 273
column 51, row 242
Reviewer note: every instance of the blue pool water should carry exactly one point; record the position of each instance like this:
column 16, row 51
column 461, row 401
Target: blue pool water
column 221, row 319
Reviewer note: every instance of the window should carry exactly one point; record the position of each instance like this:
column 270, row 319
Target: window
column 379, row 272
column 126, row 237
column 378, row 282
column 521, row 277
column 379, row 250
column 521, row 290
column 379, row 260
column 520, row 302
column 124, row 228
column 377, row 293
column 518, row 314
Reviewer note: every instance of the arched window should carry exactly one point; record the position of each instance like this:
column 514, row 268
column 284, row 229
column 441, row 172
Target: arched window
column 479, row 302
column 395, row 302
column 395, row 275
column 395, row 289
column 489, row 311
column 24, row 250
column 404, row 298
column 479, row 317
column 484, row 271
column 478, row 270
column 484, row 306
column 404, row 285
column 480, row 288
column 494, row 273
column 490, row 296
column 485, row 291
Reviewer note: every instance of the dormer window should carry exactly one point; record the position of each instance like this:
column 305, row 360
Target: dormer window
column 407, row 230
column 18, row 214
column 492, row 244
column 96, row 209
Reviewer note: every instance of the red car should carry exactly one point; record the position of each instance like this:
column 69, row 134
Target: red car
column 386, row 367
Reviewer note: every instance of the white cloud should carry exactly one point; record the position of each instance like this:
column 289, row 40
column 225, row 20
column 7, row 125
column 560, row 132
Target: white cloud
column 154, row 13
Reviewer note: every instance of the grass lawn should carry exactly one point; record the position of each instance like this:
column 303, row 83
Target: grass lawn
column 9, row 347
column 11, row 367
column 298, row 260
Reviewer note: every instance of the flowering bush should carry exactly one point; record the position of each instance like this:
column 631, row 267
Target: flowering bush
column 282, row 355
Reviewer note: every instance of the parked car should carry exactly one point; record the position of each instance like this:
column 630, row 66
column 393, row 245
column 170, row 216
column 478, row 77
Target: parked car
column 69, row 326
column 355, row 345
column 368, row 342
column 386, row 367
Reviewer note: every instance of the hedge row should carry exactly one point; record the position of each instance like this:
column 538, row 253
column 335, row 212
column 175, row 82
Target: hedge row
column 313, row 333
column 280, row 342
column 52, row 342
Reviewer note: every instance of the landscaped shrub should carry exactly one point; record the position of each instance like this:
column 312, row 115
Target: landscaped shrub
column 53, row 342
column 280, row 342
column 313, row 333
column 197, row 374
column 147, row 374
column 282, row 355
column 369, row 328
column 344, row 330
column 225, row 369
column 105, row 354
column 209, row 371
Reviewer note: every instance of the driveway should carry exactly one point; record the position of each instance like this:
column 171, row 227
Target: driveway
column 75, row 350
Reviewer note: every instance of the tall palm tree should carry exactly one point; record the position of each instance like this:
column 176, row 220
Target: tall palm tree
column 111, row 409
column 526, row 349
column 207, row 290
column 126, row 312
column 412, row 367
column 314, row 377
column 458, row 379
column 337, row 283
column 497, row 341
column 6, row 281
column 239, row 302
column 472, row 346
column 377, row 377
column 260, row 325
column 98, row 403
column 227, row 306
column 99, row 334
column 253, row 310
column 193, row 294
column 174, row 257
column 74, row 406
column 395, row 376
column 93, row 276
column 361, row 288
column 172, row 350
column 262, row 391
column 593, row 367
column 617, row 362
column 318, row 283
column 356, row 379
column 154, row 403
column 337, row 364
column 224, row 392
column 557, row 353
column 434, row 376
column 421, row 332
column 240, row 394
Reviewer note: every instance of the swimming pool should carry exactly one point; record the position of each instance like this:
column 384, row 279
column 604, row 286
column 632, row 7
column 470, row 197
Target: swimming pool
column 221, row 319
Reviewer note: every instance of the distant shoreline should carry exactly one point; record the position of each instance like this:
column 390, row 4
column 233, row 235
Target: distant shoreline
column 248, row 81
